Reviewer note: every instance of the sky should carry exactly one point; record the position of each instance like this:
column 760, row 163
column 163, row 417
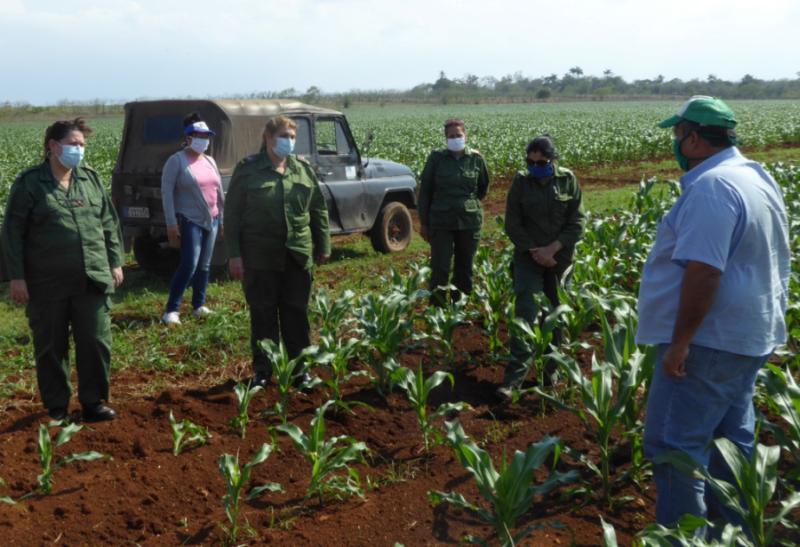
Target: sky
column 118, row 50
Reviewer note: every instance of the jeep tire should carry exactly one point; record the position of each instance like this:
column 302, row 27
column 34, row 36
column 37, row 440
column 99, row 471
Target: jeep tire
column 391, row 232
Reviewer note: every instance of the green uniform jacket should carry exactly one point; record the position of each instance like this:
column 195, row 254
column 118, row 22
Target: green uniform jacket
column 541, row 210
column 268, row 213
column 451, row 189
column 55, row 239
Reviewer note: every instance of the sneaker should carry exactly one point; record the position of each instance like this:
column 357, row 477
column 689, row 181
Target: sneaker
column 202, row 311
column 171, row 318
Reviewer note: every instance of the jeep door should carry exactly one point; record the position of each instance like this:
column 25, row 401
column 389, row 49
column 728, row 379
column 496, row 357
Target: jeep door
column 338, row 166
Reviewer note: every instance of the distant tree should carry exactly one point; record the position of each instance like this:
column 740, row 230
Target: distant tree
column 576, row 71
column 442, row 83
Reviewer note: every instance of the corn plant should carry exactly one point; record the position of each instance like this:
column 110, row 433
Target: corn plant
column 493, row 293
column 331, row 314
column 538, row 337
column 186, row 433
column 510, row 491
column 244, row 395
column 784, row 400
column 418, row 389
column 411, row 283
column 289, row 373
column 236, row 478
column 687, row 532
column 442, row 322
column 6, row 499
column 755, row 479
column 603, row 408
column 48, row 460
column 336, row 356
column 384, row 323
column 327, row 456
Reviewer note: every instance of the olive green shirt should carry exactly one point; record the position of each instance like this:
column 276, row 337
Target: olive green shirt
column 542, row 210
column 57, row 239
column 268, row 213
column 451, row 188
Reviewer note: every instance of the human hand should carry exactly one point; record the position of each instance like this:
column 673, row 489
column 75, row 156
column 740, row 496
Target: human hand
column 117, row 276
column 543, row 256
column 674, row 361
column 236, row 268
column 174, row 236
column 19, row 291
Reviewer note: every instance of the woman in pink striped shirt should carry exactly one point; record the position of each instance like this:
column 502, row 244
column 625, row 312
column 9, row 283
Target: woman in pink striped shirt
column 191, row 192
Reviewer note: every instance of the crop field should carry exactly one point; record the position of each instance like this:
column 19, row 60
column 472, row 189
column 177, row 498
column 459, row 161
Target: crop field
column 399, row 438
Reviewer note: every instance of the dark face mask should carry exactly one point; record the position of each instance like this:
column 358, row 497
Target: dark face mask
column 541, row 168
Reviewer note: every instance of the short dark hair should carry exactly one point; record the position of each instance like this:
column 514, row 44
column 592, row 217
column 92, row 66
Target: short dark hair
column 191, row 118
column 544, row 145
column 717, row 136
column 453, row 122
column 62, row 128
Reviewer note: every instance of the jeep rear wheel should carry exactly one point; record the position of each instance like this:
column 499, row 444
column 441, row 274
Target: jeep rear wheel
column 391, row 232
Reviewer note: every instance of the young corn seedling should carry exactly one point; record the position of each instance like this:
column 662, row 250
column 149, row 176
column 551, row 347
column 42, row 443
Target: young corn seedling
column 48, row 460
column 336, row 356
column 684, row 534
column 186, row 434
column 603, row 407
column 510, row 491
column 749, row 497
column 289, row 373
column 244, row 395
column 331, row 314
column 538, row 337
column 493, row 293
column 6, row 499
column 418, row 389
column 442, row 323
column 326, row 457
column 784, row 400
column 411, row 283
column 236, row 478
column 384, row 324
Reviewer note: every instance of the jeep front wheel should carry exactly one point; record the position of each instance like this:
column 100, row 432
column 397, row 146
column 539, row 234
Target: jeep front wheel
column 391, row 232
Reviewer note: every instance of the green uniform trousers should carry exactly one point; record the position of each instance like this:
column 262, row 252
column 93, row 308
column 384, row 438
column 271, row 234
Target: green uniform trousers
column 529, row 279
column 456, row 248
column 278, row 302
column 50, row 322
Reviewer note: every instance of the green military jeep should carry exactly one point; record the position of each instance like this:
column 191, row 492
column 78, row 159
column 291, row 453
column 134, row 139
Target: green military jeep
column 365, row 195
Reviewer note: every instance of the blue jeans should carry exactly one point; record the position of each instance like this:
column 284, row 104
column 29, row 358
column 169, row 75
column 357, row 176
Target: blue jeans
column 713, row 400
column 197, row 246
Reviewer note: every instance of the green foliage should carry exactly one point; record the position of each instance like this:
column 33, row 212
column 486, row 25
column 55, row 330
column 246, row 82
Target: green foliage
column 784, row 398
column 750, row 495
column 493, row 292
column 418, row 389
column 186, row 434
column 288, row 373
column 48, row 460
column 442, row 323
column 244, row 395
column 236, row 477
column 326, row 457
column 510, row 490
column 336, row 355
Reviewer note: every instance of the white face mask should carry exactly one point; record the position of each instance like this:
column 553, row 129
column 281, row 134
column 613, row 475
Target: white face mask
column 456, row 145
column 199, row 145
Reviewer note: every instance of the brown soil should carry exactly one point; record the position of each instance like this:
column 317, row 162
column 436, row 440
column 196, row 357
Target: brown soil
column 147, row 496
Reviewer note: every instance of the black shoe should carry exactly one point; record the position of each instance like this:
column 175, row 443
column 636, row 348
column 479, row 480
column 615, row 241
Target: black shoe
column 98, row 412
column 261, row 379
column 58, row 413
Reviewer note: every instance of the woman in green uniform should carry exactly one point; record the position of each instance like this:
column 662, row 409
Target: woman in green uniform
column 544, row 221
column 452, row 185
column 276, row 229
column 62, row 245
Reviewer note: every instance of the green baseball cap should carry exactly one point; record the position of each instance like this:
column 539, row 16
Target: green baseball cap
column 705, row 111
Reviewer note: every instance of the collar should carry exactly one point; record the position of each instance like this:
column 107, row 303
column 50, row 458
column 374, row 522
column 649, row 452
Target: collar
column 46, row 172
column 691, row 176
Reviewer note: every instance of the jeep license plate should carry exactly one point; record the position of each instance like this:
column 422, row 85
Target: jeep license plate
column 137, row 212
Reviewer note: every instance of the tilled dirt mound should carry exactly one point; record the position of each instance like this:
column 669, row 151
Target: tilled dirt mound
column 147, row 496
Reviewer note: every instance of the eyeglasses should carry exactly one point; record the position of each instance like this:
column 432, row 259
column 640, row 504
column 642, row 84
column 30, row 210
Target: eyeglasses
column 539, row 163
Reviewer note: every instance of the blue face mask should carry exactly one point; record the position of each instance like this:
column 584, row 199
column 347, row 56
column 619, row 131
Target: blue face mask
column 541, row 171
column 283, row 146
column 71, row 155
